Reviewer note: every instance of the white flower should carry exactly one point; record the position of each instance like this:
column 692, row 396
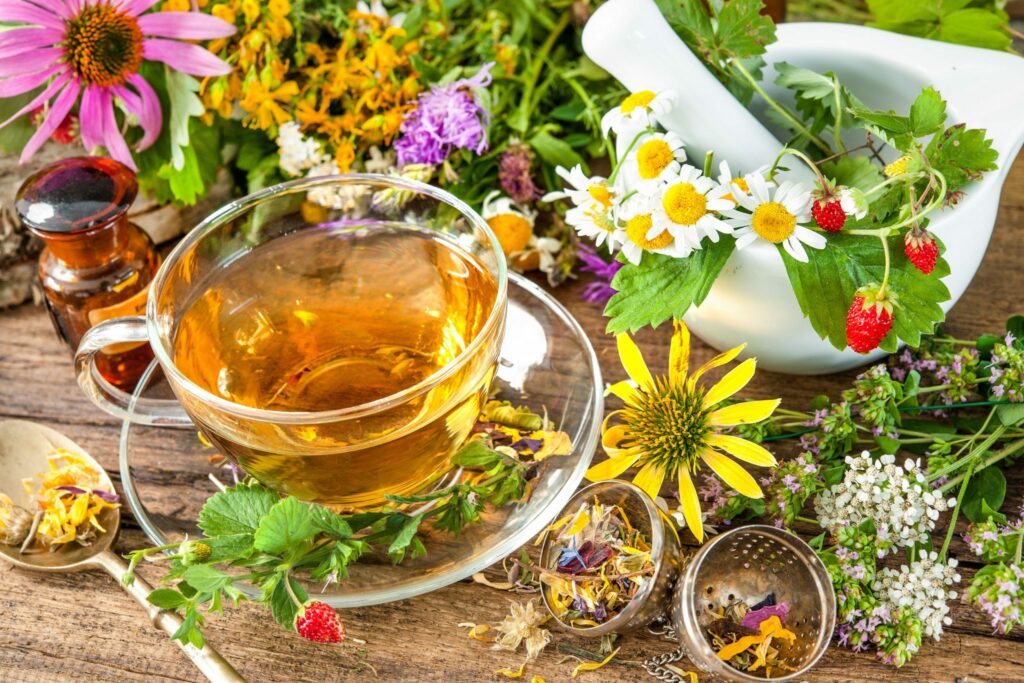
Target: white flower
column 897, row 499
column 639, row 234
column 548, row 248
column 512, row 225
column 379, row 162
column 741, row 183
column 922, row 589
column 653, row 159
column 685, row 204
column 593, row 215
column 853, row 202
column 297, row 152
column 637, row 111
column 339, row 197
column 775, row 217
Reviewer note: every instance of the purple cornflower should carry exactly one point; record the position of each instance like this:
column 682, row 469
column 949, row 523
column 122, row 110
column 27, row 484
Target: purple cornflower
column 514, row 173
column 601, row 289
column 447, row 117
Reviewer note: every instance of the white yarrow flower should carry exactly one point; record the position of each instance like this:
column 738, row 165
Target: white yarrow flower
column 921, row 588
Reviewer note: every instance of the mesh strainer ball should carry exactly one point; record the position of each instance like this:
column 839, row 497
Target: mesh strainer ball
column 653, row 599
column 747, row 564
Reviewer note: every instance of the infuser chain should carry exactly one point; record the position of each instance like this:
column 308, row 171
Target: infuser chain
column 656, row 666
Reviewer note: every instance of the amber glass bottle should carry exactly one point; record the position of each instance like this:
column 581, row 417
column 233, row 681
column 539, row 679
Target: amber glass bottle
column 96, row 264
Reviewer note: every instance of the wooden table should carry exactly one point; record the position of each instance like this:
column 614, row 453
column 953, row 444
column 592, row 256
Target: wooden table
column 84, row 628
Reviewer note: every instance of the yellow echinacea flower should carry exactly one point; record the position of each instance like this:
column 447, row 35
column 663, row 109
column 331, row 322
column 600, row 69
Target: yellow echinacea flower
column 670, row 425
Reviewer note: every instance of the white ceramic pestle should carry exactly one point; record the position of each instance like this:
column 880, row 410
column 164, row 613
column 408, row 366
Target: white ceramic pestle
column 752, row 300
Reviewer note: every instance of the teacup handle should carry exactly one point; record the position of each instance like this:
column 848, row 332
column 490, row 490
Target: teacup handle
column 147, row 411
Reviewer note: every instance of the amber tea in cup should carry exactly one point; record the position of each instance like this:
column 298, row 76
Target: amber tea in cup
column 338, row 359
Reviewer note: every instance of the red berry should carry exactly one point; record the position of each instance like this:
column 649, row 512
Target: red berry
column 829, row 215
column 921, row 249
column 867, row 322
column 320, row 623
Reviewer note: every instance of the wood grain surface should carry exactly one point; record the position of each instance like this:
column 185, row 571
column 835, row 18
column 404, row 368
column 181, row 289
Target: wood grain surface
column 84, row 628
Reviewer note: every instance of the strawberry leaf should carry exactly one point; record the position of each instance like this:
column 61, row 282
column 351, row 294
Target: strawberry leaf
column 951, row 21
column 859, row 172
column 927, row 113
column 961, row 154
column 286, row 527
column 826, row 284
column 282, row 606
column 237, row 510
column 662, row 287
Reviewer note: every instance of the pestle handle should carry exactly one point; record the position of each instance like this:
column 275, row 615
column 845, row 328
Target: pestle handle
column 632, row 41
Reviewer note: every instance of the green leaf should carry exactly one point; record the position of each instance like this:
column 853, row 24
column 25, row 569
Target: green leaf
column 927, row 113
column 229, row 548
column 236, row 511
column 476, row 454
column 206, row 579
column 976, row 27
column 961, row 154
column 1015, row 326
column 189, row 632
column 288, row 524
column 859, row 172
column 1010, row 414
column 888, row 445
column 166, row 598
column 662, row 287
column 987, row 486
column 185, row 103
column 994, row 515
column 404, row 536
column 554, row 151
column 282, row 606
column 951, row 21
column 329, row 522
column 825, row 287
column 16, row 134
column 743, row 31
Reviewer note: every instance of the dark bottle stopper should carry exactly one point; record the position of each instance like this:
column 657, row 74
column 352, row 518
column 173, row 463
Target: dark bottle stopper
column 76, row 194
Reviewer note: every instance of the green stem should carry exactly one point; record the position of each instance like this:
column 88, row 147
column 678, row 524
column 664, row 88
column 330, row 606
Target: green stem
column 799, row 155
column 956, row 511
column 837, row 126
column 535, row 67
column 632, row 144
column 975, row 451
column 288, row 587
column 797, row 124
column 888, row 265
column 1020, row 544
column 1012, row 449
column 807, row 520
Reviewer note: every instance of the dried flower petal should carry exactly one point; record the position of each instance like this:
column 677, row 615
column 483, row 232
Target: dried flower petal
column 753, row 619
column 510, row 673
column 593, row 666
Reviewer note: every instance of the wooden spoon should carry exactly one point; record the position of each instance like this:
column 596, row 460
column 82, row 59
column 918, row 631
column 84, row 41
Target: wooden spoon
column 24, row 448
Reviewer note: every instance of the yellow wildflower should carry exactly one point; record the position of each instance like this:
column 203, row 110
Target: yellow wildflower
column 671, row 425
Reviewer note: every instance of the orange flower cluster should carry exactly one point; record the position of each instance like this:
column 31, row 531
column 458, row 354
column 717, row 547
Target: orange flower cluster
column 353, row 93
column 356, row 95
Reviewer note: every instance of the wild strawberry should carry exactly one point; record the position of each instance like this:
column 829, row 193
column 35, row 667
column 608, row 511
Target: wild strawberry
column 869, row 319
column 320, row 623
column 921, row 249
column 829, row 215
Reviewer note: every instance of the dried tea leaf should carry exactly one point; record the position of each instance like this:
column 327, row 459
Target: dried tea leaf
column 479, row 577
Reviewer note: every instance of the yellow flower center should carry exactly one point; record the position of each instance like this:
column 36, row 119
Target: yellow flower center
column 683, row 204
column 103, row 45
column 513, row 231
column 653, row 157
column 773, row 222
column 740, row 183
column 898, row 167
column 636, row 229
column 637, row 99
column 669, row 423
column 601, row 194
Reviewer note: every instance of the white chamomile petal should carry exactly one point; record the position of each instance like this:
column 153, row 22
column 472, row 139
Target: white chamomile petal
column 653, row 159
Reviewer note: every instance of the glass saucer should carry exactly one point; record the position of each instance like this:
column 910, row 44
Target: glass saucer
column 546, row 363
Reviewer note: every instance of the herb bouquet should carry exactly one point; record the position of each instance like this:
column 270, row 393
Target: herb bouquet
column 856, row 245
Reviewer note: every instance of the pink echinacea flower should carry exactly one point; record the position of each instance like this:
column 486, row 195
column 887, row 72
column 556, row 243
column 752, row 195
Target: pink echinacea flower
column 93, row 49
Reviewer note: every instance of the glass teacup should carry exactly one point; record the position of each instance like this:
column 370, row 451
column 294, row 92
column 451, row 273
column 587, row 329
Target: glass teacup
column 336, row 354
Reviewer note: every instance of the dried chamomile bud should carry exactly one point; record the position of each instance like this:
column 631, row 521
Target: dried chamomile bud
column 15, row 522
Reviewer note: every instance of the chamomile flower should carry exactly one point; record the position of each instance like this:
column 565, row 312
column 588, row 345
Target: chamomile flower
column 513, row 226
column 593, row 215
column 685, row 207
column 654, row 158
column 740, row 182
column 775, row 217
column 638, row 233
column 637, row 111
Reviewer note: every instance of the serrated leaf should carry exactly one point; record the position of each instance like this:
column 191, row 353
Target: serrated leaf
column 282, row 605
column 476, row 454
column 404, row 537
column 961, row 154
column 951, row 21
column 976, row 27
column 236, row 511
column 662, row 287
column 286, row 526
column 927, row 113
column 206, row 579
column 229, row 548
column 329, row 522
column 825, row 287
column 742, row 30
column 859, row 172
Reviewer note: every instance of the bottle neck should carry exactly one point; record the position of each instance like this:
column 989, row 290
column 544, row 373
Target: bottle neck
column 91, row 248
